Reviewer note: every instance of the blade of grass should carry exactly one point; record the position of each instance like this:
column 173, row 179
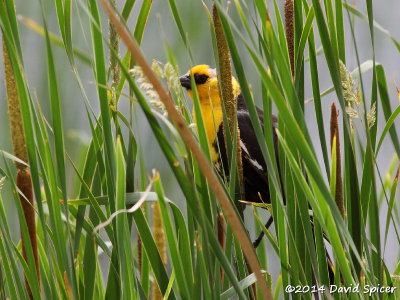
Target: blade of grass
column 55, row 105
column 127, row 9
column 142, row 20
column 387, row 111
column 317, row 99
column 7, row 267
column 125, row 260
column 35, row 27
column 364, row 17
column 340, row 29
column 389, row 214
column 183, row 278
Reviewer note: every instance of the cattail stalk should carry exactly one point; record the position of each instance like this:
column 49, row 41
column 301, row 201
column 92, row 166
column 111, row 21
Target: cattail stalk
column 339, row 182
column 159, row 238
column 114, row 42
column 14, row 112
column 24, row 180
column 226, row 90
column 289, row 22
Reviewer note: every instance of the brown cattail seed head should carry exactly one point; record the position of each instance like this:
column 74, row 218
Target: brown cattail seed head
column 24, row 183
column 14, row 111
column 226, row 92
column 289, row 21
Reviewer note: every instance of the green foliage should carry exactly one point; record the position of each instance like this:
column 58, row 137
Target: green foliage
column 82, row 205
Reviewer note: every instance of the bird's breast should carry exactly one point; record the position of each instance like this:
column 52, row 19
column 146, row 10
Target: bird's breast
column 212, row 119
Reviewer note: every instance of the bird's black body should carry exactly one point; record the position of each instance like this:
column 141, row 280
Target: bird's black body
column 255, row 172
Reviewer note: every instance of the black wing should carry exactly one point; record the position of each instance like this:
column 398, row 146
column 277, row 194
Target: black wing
column 255, row 171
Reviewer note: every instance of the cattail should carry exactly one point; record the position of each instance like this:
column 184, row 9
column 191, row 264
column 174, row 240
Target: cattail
column 289, row 22
column 24, row 180
column 227, row 96
column 14, row 112
column 339, row 183
column 114, row 42
column 159, row 238
column 24, row 183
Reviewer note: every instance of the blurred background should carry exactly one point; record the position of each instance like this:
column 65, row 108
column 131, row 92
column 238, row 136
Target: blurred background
column 161, row 29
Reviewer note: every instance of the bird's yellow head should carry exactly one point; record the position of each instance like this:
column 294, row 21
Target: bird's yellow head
column 206, row 81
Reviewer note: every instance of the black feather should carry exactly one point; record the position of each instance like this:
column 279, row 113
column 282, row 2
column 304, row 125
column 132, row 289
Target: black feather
column 255, row 171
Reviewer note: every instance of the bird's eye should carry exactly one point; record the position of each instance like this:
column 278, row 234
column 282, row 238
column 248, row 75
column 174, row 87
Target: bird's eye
column 200, row 79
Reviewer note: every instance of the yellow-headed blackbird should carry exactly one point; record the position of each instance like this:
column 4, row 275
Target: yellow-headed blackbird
column 255, row 173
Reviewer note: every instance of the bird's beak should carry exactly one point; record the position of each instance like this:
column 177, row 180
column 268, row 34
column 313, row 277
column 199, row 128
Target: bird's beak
column 185, row 81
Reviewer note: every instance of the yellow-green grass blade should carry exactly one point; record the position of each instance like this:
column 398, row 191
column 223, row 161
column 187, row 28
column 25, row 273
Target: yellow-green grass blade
column 178, row 22
column 340, row 34
column 12, row 26
column 35, row 27
column 49, row 288
column 374, row 88
column 13, row 283
column 317, row 98
column 90, row 259
column 184, row 275
column 150, row 247
column 93, row 160
column 127, row 9
column 389, row 215
column 125, row 258
column 302, row 42
column 100, row 76
column 298, row 30
column 389, row 116
column 377, row 26
column 281, row 31
column 142, row 20
column 330, row 19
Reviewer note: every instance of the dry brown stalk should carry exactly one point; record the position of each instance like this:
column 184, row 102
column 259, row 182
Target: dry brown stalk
column 198, row 154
